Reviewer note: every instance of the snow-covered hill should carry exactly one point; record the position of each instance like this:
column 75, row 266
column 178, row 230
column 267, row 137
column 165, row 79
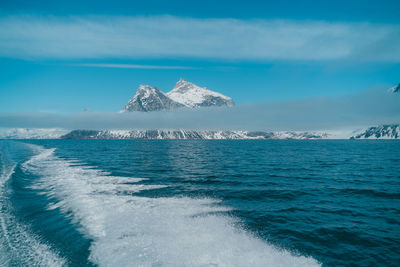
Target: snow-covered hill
column 25, row 133
column 189, row 134
column 194, row 96
column 376, row 132
column 391, row 131
column 184, row 94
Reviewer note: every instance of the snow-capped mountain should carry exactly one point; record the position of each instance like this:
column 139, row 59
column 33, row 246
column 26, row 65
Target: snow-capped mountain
column 395, row 89
column 26, row 133
column 377, row 132
column 391, row 131
column 148, row 98
column 194, row 96
column 184, row 94
column 189, row 134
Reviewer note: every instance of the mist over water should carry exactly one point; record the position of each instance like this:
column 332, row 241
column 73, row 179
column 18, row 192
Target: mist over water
column 367, row 108
column 201, row 203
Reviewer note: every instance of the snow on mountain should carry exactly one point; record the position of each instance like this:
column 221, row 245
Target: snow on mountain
column 184, row 94
column 300, row 135
column 395, row 89
column 391, row 131
column 148, row 98
column 189, row 134
column 376, row 132
column 193, row 96
column 25, row 133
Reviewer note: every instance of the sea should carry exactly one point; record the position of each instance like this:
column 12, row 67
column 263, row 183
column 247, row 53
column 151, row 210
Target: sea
column 199, row 203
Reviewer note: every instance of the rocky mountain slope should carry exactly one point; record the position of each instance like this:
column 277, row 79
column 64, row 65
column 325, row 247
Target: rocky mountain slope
column 377, row 132
column 148, row 98
column 391, row 131
column 184, row 94
column 189, row 134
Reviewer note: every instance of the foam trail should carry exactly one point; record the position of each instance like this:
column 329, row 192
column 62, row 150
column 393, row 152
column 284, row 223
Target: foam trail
column 129, row 230
column 18, row 246
column 4, row 238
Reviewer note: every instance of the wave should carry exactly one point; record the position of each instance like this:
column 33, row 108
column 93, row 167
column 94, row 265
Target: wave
column 370, row 192
column 131, row 230
column 18, row 245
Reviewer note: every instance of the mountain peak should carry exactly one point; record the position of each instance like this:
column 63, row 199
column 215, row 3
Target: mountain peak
column 184, row 94
column 149, row 98
column 146, row 88
column 183, row 85
column 191, row 95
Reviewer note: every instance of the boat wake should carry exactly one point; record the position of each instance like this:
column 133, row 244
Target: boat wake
column 131, row 230
column 18, row 245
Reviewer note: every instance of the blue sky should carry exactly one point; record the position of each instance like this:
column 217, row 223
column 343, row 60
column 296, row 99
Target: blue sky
column 66, row 56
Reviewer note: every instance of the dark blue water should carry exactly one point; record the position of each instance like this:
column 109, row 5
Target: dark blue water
column 199, row 203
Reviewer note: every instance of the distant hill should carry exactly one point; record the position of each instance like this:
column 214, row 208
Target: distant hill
column 189, row 134
column 391, row 131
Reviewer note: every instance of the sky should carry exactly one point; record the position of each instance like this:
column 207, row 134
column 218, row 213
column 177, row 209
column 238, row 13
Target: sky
column 64, row 57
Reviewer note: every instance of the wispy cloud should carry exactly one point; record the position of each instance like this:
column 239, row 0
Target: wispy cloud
column 368, row 108
column 166, row 37
column 134, row 66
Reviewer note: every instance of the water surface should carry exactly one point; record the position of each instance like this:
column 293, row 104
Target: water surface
column 200, row 203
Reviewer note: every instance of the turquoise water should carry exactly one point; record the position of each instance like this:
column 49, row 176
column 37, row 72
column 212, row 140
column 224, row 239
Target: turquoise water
column 199, row 203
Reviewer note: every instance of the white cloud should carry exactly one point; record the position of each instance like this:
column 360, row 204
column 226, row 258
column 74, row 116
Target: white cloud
column 133, row 66
column 170, row 37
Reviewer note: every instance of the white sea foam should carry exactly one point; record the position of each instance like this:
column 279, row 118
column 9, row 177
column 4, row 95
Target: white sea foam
column 129, row 230
column 18, row 245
